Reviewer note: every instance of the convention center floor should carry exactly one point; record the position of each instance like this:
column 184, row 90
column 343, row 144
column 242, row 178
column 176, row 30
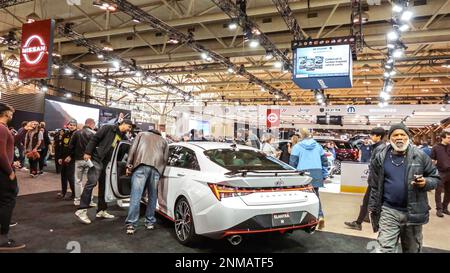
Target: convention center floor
column 48, row 224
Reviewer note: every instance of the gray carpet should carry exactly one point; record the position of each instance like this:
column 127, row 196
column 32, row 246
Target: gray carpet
column 47, row 224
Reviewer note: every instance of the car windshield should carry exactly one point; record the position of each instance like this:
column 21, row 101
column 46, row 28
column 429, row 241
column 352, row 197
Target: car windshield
column 343, row 145
column 239, row 159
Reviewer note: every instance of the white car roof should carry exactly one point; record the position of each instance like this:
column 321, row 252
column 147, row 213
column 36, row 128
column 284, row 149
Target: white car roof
column 205, row 145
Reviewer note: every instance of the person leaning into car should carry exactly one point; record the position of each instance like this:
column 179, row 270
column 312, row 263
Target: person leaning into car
column 401, row 176
column 99, row 150
column 147, row 160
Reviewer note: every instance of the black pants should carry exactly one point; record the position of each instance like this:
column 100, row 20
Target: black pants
column 8, row 194
column 96, row 173
column 57, row 165
column 43, row 154
column 68, row 175
column 443, row 187
column 33, row 165
column 364, row 207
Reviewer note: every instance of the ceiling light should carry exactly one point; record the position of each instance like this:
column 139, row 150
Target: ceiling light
column 68, row 71
column 204, row 55
column 136, row 20
column 80, row 75
column 403, row 28
column 254, row 43
column 68, row 95
column 278, row 64
column 230, row 70
column 32, row 17
column 391, row 45
column 397, row 8
column 392, row 73
column 406, row 15
column 385, row 95
column 386, row 74
column 263, row 89
column 389, row 88
column 138, row 73
column 389, row 61
column 107, row 46
column 434, row 80
column 443, row 108
column 366, row 82
column 425, row 90
column 100, row 56
column 392, row 35
column 232, row 26
column 173, row 40
column 44, row 88
column 397, row 53
column 116, row 64
column 93, row 79
column 277, row 96
column 269, row 55
column 256, row 31
column 388, row 66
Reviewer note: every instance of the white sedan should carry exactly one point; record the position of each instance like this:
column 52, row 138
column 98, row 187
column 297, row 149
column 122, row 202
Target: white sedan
column 223, row 190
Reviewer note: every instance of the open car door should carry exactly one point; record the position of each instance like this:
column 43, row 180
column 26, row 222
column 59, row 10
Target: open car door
column 118, row 184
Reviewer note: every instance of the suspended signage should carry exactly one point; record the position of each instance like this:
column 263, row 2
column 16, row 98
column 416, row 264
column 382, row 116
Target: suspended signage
column 36, row 50
column 329, row 120
column 273, row 118
column 323, row 64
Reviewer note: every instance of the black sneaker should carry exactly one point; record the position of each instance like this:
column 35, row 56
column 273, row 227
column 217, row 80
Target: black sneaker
column 445, row 211
column 439, row 213
column 11, row 245
column 353, row 225
column 13, row 224
column 61, row 195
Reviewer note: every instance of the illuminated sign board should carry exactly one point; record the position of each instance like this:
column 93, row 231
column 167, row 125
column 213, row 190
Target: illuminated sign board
column 36, row 50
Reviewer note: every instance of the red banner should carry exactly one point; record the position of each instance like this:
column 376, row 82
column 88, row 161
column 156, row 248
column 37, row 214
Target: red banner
column 273, row 118
column 36, row 50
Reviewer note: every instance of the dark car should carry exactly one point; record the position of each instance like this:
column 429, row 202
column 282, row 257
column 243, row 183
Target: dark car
column 344, row 152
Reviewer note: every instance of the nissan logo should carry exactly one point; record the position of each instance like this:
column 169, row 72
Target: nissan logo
column 33, row 54
column 272, row 117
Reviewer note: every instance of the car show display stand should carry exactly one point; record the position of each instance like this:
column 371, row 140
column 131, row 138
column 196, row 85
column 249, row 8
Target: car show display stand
column 354, row 177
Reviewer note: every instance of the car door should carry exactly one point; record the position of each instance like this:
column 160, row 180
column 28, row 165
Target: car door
column 118, row 185
column 182, row 167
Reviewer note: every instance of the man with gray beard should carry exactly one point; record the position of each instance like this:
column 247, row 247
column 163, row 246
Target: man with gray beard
column 400, row 178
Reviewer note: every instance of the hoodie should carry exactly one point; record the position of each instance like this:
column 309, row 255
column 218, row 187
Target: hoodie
column 309, row 155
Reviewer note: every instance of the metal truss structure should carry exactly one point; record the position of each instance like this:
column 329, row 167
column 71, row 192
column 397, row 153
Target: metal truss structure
column 288, row 17
column 251, row 28
column 188, row 40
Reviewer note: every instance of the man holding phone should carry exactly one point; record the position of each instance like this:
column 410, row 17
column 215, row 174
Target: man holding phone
column 401, row 176
column 440, row 154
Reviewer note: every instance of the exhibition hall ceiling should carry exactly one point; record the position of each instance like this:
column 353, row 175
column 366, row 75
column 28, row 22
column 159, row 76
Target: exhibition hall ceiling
column 422, row 73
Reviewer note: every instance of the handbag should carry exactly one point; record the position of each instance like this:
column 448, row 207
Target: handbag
column 33, row 155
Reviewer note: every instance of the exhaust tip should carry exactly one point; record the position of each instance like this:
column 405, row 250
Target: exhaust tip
column 235, row 239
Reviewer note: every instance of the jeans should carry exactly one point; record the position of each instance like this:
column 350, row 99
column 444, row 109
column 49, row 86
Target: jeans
column 94, row 174
column 81, row 173
column 68, row 175
column 143, row 177
column 443, row 187
column 316, row 190
column 393, row 226
column 8, row 194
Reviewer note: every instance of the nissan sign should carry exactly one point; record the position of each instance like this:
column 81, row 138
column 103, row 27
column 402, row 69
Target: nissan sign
column 36, row 50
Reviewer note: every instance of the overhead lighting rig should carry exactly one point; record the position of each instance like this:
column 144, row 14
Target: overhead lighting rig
column 401, row 16
column 188, row 40
column 117, row 61
column 8, row 3
column 251, row 30
column 288, row 17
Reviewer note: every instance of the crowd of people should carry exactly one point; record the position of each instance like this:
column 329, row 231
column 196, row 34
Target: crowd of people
column 400, row 173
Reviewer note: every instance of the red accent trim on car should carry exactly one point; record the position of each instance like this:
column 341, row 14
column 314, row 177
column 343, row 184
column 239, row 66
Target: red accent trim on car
column 232, row 232
column 165, row 215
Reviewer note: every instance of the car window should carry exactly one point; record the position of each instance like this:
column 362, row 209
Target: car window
column 182, row 157
column 240, row 159
column 343, row 145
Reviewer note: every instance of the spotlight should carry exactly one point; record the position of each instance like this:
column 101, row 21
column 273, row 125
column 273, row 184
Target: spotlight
column 397, row 53
column 443, row 108
column 107, row 46
column 68, row 71
column 386, row 74
column 387, row 66
column 93, row 79
column 403, row 28
column 138, row 74
column 136, row 20
column 232, row 25
column 390, row 45
column 392, row 73
column 389, row 88
column 32, row 17
column 277, row 96
column 278, row 64
column 389, row 61
column 392, row 35
column 44, row 88
column 68, row 95
column 100, row 56
column 385, row 95
column 269, row 55
column 173, row 40
column 406, row 15
column 204, row 55
column 256, row 31
column 397, row 8
column 230, row 70
column 116, row 64
column 80, row 75
column 254, row 43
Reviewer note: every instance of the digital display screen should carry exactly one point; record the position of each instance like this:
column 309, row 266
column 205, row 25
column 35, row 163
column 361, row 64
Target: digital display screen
column 200, row 125
column 322, row 61
column 57, row 114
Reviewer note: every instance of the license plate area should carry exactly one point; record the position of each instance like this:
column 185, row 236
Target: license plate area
column 282, row 219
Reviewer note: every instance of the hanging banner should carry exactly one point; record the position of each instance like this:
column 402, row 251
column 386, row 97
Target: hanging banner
column 273, row 118
column 36, row 50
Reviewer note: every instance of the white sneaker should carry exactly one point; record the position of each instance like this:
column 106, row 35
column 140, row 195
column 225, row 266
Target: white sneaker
column 82, row 216
column 92, row 204
column 104, row 214
column 76, row 202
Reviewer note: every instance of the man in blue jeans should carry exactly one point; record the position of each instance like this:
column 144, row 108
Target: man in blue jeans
column 146, row 162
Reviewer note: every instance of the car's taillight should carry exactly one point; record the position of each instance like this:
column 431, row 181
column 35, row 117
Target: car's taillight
column 221, row 191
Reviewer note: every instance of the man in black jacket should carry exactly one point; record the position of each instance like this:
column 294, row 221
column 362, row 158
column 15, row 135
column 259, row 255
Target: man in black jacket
column 376, row 135
column 77, row 146
column 99, row 150
column 401, row 176
column 44, row 149
column 67, row 164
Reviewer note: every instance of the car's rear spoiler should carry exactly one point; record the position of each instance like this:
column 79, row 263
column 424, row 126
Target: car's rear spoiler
column 268, row 172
